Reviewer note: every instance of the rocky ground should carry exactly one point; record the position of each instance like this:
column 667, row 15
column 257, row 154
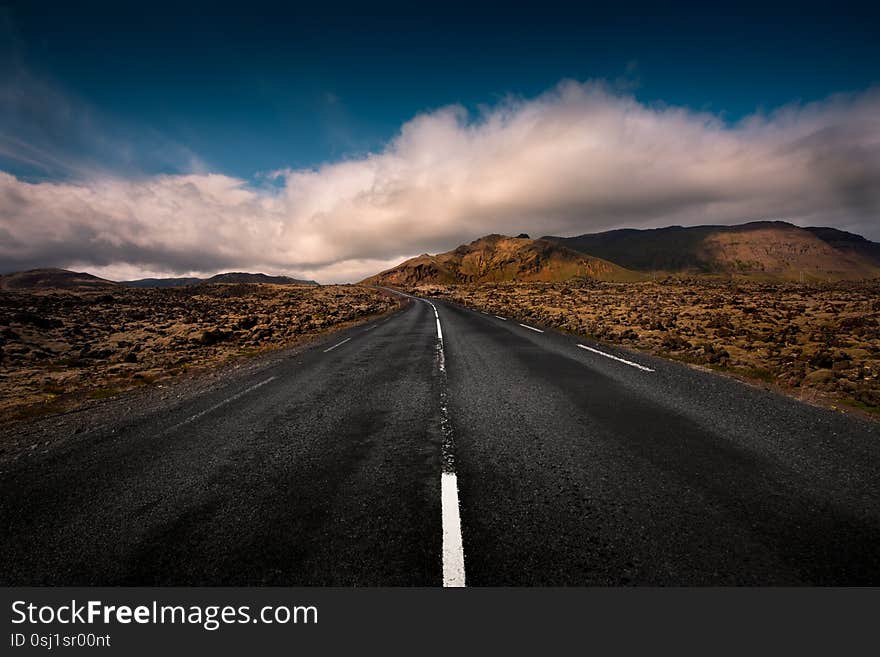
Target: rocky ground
column 61, row 350
column 821, row 343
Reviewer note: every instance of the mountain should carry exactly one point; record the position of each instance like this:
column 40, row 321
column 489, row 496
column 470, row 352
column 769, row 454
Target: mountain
column 764, row 250
column 44, row 279
column 501, row 258
column 848, row 242
column 228, row 277
column 162, row 282
column 243, row 277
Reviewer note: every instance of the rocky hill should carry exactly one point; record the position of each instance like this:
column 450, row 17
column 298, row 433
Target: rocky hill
column 162, row 282
column 496, row 258
column 766, row 250
column 244, row 277
column 60, row 279
column 228, row 277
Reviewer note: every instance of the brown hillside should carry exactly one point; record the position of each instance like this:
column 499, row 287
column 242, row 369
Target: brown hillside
column 766, row 250
column 784, row 251
column 245, row 277
column 44, row 279
column 497, row 258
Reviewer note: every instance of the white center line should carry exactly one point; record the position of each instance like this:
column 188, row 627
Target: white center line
column 531, row 328
column 620, row 360
column 503, row 319
column 450, row 512
column 453, row 548
column 439, row 330
column 336, row 345
column 219, row 404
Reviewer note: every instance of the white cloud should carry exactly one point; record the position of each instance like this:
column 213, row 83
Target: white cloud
column 577, row 159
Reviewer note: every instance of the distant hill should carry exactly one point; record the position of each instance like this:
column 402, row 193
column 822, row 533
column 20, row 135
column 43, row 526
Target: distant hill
column 44, row 279
column 162, row 282
column 62, row 279
column 228, row 277
column 501, row 258
column 243, row 277
column 848, row 242
column 764, row 250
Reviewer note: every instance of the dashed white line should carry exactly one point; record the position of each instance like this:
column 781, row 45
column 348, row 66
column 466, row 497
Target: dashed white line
column 336, row 345
column 503, row 319
column 620, row 360
column 531, row 328
column 219, row 404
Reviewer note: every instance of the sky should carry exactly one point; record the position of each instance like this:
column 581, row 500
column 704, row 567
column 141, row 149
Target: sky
column 333, row 142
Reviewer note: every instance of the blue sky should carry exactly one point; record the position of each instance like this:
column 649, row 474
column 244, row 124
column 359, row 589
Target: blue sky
column 284, row 86
column 332, row 142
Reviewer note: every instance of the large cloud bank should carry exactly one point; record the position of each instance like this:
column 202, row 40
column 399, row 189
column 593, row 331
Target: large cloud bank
column 579, row 158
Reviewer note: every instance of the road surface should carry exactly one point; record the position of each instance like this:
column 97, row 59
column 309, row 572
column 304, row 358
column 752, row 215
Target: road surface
column 564, row 462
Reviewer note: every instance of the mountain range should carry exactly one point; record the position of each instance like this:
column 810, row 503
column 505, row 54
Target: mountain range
column 228, row 277
column 49, row 278
column 502, row 258
column 763, row 251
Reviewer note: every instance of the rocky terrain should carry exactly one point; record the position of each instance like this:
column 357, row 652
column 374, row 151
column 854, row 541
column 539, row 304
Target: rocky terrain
column 61, row 349
column 501, row 258
column 819, row 342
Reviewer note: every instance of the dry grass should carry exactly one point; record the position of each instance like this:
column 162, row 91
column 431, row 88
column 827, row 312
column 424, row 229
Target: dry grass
column 59, row 349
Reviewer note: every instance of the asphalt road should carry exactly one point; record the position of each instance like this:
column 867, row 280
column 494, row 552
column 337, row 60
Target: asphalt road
column 570, row 467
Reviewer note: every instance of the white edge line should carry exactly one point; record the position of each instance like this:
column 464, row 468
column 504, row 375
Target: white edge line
column 503, row 319
column 620, row 360
column 336, row 345
column 219, row 404
column 531, row 328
